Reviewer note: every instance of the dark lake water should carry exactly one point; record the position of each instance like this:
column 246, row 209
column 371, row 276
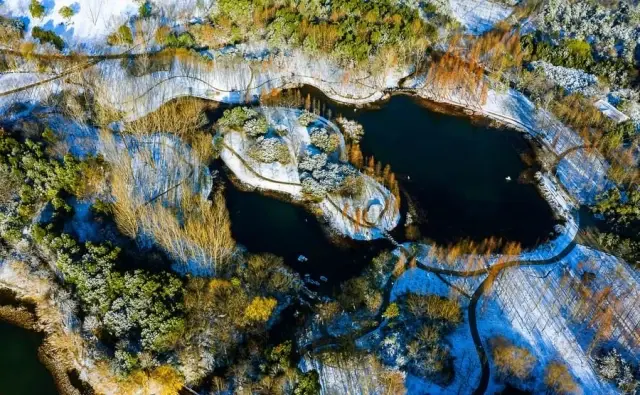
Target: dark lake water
column 21, row 373
column 454, row 171
column 268, row 224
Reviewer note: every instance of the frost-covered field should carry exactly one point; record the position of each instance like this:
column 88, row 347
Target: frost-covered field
column 478, row 16
column 93, row 21
column 548, row 309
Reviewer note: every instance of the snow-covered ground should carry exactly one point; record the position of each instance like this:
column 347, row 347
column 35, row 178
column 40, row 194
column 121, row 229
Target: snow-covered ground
column 478, row 16
column 162, row 168
column 357, row 377
column 268, row 176
column 10, row 81
column 419, row 282
column 555, row 311
column 93, row 21
column 584, row 175
column 230, row 79
column 373, row 201
column 610, row 111
column 551, row 310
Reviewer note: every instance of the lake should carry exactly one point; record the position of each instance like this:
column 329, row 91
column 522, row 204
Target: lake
column 454, row 172
column 464, row 177
column 21, row 372
column 269, row 224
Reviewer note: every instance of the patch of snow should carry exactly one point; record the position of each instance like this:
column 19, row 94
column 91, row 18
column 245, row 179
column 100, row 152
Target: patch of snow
column 81, row 139
column 93, row 21
column 420, row 282
column 82, row 224
column 162, row 166
column 584, row 175
column 356, row 379
column 478, row 16
column 12, row 81
column 610, row 111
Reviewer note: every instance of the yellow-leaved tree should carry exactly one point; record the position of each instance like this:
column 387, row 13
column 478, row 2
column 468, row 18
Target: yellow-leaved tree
column 260, row 309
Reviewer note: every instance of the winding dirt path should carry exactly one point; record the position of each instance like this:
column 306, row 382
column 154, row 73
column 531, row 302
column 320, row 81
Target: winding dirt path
column 479, row 292
column 492, row 273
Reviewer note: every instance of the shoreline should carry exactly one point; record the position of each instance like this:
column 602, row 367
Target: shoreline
column 21, row 316
column 310, row 207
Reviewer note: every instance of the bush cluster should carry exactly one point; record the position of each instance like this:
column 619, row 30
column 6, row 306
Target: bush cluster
column 256, row 127
column 326, row 141
column 512, row 361
column 613, row 29
column 320, row 176
column 306, row 118
column 578, row 54
column 270, row 150
column 11, row 29
column 42, row 180
column 182, row 40
column 121, row 37
column 36, row 9
column 236, row 117
column 67, row 12
column 612, row 367
column 417, row 331
column 135, row 306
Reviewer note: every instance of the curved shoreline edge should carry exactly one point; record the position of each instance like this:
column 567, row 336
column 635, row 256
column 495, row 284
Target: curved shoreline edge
column 29, row 321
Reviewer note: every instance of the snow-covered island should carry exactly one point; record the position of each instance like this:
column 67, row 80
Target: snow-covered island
column 304, row 156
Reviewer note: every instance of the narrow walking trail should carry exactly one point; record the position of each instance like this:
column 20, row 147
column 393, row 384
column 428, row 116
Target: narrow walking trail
column 492, row 273
column 479, row 292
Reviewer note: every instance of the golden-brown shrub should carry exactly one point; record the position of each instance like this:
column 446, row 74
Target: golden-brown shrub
column 434, row 307
column 559, row 380
column 510, row 359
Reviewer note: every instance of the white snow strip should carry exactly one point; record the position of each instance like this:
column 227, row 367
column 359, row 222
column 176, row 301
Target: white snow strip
column 478, row 16
column 610, row 111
